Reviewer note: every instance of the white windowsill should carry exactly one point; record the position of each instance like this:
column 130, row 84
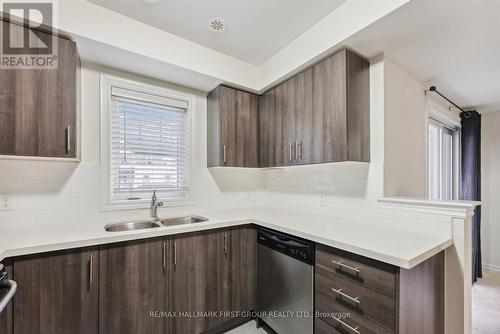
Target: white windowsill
column 140, row 205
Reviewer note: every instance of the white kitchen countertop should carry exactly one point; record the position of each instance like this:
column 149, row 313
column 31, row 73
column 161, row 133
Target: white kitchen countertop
column 392, row 243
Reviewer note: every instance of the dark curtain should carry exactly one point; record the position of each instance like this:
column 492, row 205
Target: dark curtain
column 471, row 181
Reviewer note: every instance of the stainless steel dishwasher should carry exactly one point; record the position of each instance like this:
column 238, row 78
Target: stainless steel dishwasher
column 285, row 282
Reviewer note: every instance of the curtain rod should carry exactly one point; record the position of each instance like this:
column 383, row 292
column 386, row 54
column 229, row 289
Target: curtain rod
column 434, row 90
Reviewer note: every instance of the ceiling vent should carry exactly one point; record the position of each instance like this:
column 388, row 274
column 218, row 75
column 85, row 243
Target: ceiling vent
column 217, row 25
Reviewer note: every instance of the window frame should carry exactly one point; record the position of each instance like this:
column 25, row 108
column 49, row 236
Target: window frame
column 439, row 116
column 107, row 82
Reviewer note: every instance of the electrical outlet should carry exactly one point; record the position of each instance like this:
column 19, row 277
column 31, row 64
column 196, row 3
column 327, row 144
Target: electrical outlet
column 5, row 203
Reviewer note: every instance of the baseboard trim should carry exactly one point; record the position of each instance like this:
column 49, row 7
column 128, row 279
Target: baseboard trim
column 491, row 267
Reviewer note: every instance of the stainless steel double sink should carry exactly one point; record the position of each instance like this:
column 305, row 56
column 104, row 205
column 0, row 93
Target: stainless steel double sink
column 145, row 224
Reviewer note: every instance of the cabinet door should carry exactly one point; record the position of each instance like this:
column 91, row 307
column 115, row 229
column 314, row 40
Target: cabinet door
column 239, row 267
column 133, row 283
column 285, row 124
column 227, row 114
column 57, row 293
column 38, row 106
column 329, row 109
column 304, row 130
column 237, row 119
column 245, row 150
column 268, row 132
column 195, row 282
column 6, row 317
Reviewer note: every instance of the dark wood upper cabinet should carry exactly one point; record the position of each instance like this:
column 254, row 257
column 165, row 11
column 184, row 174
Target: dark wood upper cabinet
column 239, row 268
column 57, row 293
column 320, row 115
column 38, row 107
column 133, row 282
column 195, row 281
column 232, row 128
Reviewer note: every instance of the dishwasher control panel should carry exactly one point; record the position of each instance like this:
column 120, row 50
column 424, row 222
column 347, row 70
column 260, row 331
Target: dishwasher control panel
column 300, row 249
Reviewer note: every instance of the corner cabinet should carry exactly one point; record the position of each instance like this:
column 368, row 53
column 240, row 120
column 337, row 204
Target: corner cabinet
column 320, row 115
column 232, row 128
column 38, row 107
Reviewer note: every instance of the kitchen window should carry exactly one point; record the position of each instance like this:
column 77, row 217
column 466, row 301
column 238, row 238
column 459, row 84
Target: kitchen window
column 145, row 139
column 443, row 156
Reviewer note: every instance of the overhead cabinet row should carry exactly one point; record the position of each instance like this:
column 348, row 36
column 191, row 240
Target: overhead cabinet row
column 38, row 106
column 320, row 115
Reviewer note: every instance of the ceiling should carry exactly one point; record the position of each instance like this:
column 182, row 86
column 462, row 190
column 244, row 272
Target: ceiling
column 453, row 44
column 255, row 30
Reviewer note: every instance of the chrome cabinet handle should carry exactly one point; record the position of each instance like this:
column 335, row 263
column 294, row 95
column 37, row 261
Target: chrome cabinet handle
column 298, row 150
column 91, row 269
column 175, row 254
column 12, row 286
column 164, row 255
column 225, row 244
column 68, row 139
column 344, row 295
column 291, row 150
column 350, row 328
column 343, row 265
column 224, row 157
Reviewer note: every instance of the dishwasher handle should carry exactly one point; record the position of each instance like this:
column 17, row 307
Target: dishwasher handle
column 12, row 288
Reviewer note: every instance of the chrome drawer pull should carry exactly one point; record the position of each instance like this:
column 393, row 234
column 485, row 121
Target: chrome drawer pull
column 343, row 265
column 343, row 324
column 12, row 287
column 341, row 294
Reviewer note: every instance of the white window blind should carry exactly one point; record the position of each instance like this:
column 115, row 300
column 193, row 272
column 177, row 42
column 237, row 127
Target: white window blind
column 149, row 144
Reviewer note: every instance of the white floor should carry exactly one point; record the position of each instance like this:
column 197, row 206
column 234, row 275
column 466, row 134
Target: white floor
column 486, row 304
column 248, row 328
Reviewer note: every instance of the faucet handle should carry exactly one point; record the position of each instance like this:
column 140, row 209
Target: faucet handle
column 159, row 203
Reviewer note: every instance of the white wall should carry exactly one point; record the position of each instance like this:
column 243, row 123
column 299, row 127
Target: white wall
column 48, row 192
column 490, row 183
column 42, row 192
column 405, row 133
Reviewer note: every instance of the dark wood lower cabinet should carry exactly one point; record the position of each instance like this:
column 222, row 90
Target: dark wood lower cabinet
column 239, row 271
column 57, row 293
column 6, row 318
column 195, row 282
column 354, row 293
column 186, row 283
column 133, row 287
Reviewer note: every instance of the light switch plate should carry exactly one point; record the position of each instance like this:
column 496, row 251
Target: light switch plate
column 5, row 203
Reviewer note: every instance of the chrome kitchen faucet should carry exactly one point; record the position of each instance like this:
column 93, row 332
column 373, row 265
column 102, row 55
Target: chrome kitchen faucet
column 155, row 203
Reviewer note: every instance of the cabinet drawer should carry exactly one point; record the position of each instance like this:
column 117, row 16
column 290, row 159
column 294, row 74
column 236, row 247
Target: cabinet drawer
column 327, row 322
column 366, row 307
column 373, row 274
column 321, row 327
